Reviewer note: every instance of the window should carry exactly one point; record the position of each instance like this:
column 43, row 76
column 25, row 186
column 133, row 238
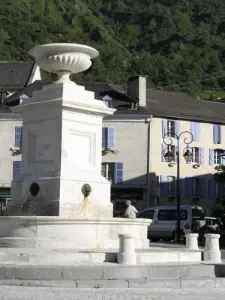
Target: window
column 16, row 169
column 18, row 136
column 195, row 155
column 167, row 215
column 195, row 187
column 171, row 185
column 198, row 213
column 107, row 101
column 171, row 215
column 171, row 128
column 113, row 172
column 109, row 137
column 183, row 215
column 217, row 157
column 149, row 214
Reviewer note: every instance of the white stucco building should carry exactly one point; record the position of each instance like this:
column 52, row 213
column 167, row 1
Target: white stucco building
column 133, row 150
column 14, row 77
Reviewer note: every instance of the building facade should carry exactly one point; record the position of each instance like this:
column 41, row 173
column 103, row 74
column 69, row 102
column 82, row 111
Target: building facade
column 134, row 148
column 14, row 77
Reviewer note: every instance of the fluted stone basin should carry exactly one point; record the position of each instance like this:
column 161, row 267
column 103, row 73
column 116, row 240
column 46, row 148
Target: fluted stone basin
column 63, row 233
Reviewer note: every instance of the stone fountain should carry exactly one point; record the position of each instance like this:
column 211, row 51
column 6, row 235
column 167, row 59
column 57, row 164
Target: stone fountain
column 61, row 200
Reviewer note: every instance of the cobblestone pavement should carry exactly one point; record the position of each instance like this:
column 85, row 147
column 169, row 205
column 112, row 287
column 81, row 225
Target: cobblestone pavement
column 32, row 293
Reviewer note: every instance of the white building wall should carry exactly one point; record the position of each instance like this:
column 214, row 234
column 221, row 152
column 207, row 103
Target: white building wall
column 8, row 121
column 186, row 170
column 131, row 143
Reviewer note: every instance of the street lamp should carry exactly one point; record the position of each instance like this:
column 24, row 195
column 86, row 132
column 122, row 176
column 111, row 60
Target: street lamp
column 169, row 157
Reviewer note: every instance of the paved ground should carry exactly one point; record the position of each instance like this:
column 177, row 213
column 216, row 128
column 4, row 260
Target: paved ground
column 30, row 293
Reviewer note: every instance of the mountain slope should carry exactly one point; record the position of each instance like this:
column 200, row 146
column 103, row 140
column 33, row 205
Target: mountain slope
column 178, row 44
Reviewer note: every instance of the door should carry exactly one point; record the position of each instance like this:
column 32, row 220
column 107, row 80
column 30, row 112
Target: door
column 149, row 214
column 165, row 223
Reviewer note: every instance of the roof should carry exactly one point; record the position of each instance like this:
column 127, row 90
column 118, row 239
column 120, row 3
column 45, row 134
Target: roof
column 183, row 106
column 158, row 103
column 14, row 75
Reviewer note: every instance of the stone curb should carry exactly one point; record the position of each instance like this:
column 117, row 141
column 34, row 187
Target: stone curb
column 200, row 283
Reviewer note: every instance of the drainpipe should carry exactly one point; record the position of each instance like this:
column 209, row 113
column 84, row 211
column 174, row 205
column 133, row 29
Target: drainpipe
column 148, row 121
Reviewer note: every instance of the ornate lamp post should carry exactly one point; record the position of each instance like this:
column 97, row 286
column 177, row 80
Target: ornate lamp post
column 169, row 157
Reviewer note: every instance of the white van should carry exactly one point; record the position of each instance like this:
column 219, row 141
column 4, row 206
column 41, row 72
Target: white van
column 164, row 220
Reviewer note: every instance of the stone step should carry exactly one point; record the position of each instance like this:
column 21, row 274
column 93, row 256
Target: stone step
column 113, row 272
column 70, row 257
column 202, row 283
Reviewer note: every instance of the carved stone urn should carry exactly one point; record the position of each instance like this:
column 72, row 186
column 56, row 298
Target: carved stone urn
column 63, row 59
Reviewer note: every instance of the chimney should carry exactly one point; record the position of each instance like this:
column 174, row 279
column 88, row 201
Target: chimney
column 136, row 88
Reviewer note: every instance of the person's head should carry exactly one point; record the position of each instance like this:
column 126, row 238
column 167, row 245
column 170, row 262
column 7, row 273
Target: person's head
column 128, row 202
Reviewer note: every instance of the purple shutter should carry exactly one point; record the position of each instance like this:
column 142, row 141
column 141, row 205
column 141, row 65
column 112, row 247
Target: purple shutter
column 164, row 150
column 118, row 173
column 163, row 186
column 197, row 132
column 164, row 127
column 211, row 157
column 202, row 188
column 177, row 128
column 111, row 138
column 211, row 188
column 16, row 169
column 193, row 130
column 201, row 156
column 216, row 134
column 188, row 187
column 104, row 139
column 18, row 136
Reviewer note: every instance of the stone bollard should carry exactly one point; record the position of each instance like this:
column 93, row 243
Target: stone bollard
column 126, row 253
column 212, row 248
column 192, row 241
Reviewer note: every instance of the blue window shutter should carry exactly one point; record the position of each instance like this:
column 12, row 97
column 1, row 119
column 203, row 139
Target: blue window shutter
column 16, row 169
column 18, row 136
column 104, row 137
column 164, row 149
column 111, row 137
column 188, row 187
column 216, row 134
column 164, row 127
column 223, row 160
column 211, row 157
column 211, row 188
column 197, row 132
column 118, row 171
column 202, row 188
column 177, row 127
column 219, row 134
column 193, row 130
column 163, row 186
column 176, row 151
column 201, row 156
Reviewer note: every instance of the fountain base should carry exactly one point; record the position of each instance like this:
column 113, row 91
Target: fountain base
column 51, row 232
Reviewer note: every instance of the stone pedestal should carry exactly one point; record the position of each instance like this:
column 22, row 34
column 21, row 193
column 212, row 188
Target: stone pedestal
column 192, row 241
column 61, row 151
column 212, row 249
column 126, row 253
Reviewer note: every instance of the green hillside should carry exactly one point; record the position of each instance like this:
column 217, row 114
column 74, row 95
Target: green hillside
column 178, row 44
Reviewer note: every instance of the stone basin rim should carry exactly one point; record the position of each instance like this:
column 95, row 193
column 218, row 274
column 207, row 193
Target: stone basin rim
column 56, row 219
column 52, row 49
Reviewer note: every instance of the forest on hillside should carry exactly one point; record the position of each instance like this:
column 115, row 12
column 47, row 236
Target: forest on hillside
column 178, row 44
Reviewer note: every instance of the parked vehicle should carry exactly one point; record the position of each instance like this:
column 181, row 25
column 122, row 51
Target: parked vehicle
column 164, row 219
